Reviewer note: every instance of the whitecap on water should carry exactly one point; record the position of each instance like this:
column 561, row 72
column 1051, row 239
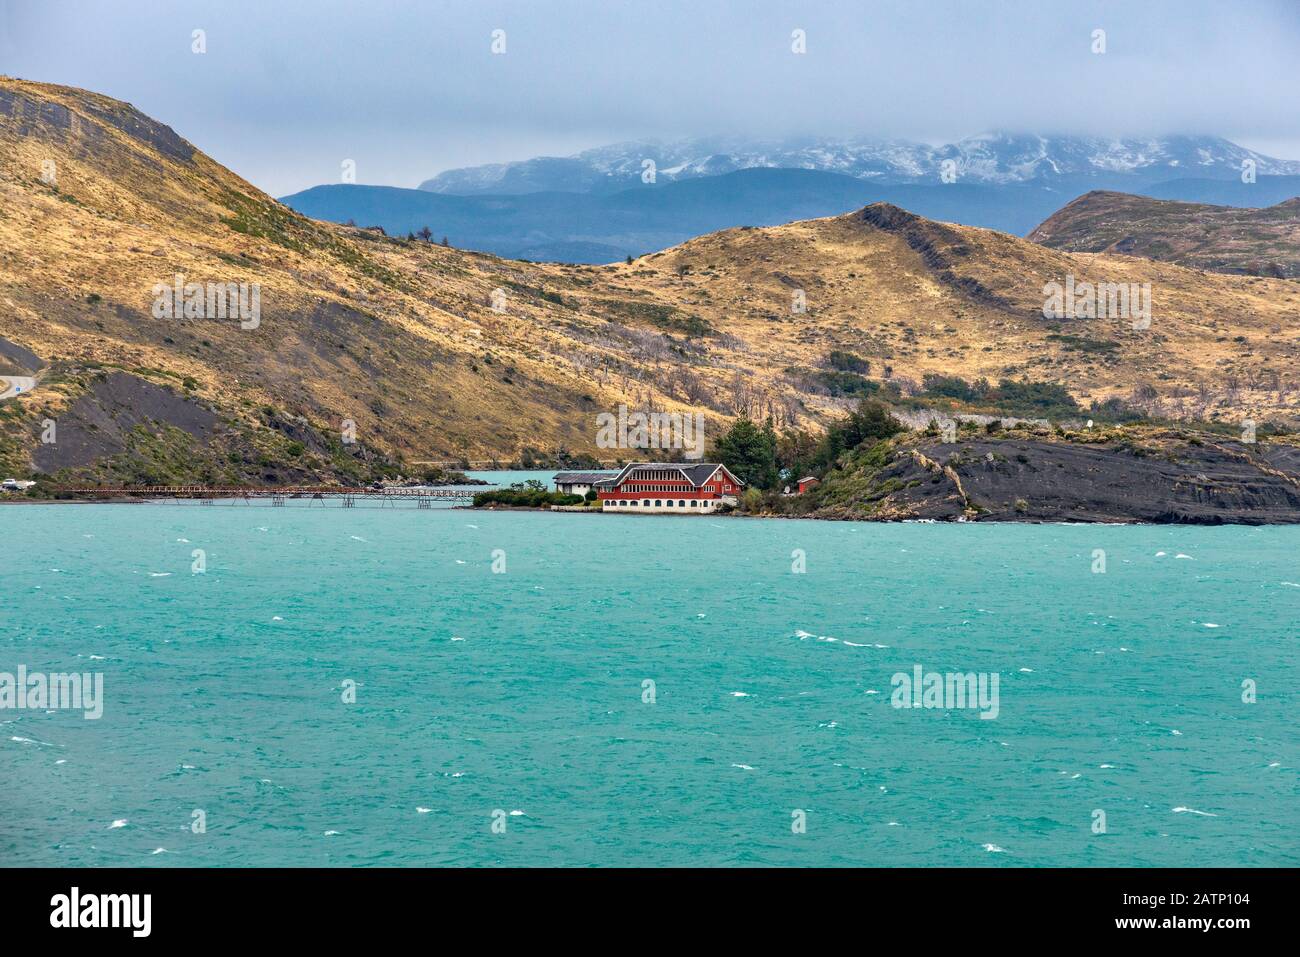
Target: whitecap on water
column 994, row 849
column 740, row 694
column 120, row 822
column 743, row 767
column 423, row 810
column 1192, row 810
column 830, row 640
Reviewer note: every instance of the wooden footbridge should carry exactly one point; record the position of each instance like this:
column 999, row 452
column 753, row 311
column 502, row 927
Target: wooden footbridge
column 277, row 495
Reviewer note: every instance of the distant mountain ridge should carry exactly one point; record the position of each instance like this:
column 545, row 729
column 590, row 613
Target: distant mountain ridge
column 1253, row 242
column 601, row 227
column 996, row 158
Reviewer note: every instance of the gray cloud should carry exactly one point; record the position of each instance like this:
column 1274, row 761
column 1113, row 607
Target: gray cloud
column 289, row 89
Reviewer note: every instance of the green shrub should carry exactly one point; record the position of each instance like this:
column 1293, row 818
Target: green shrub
column 844, row 361
column 523, row 496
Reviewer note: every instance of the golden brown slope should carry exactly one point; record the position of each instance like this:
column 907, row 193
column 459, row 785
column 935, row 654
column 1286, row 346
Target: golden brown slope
column 923, row 297
column 402, row 337
column 1252, row 242
column 398, row 337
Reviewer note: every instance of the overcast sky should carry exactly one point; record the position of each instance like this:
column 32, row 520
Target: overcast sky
column 288, row 89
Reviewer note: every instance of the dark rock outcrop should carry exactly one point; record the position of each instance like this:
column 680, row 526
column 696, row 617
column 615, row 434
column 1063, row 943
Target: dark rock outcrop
column 938, row 246
column 18, row 360
column 96, row 424
column 1202, row 481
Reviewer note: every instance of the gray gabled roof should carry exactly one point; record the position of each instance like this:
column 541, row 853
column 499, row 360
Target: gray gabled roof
column 696, row 473
column 581, row 478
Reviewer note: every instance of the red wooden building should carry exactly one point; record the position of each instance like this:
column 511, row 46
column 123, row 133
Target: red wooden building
column 679, row 488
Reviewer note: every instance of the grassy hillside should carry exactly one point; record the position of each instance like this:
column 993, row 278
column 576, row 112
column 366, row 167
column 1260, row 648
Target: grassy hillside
column 1252, row 242
column 436, row 354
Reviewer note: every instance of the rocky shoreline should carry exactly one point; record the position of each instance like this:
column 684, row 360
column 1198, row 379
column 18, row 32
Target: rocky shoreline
column 1164, row 479
column 1125, row 476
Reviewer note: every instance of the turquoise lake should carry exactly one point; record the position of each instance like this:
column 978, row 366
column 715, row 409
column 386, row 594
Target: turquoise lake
column 480, row 691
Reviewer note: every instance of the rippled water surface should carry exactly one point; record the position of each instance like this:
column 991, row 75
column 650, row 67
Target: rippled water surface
column 524, row 691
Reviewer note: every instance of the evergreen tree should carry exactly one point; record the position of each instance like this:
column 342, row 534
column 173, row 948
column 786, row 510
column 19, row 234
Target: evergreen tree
column 750, row 453
column 869, row 423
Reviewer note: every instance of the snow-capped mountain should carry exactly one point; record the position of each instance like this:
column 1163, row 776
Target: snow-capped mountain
column 989, row 159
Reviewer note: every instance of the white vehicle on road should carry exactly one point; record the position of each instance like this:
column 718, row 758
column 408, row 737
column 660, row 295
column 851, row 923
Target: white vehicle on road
column 15, row 485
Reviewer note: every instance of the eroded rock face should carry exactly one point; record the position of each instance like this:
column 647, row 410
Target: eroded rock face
column 1210, row 483
column 96, row 424
column 32, row 116
column 18, row 360
column 938, row 246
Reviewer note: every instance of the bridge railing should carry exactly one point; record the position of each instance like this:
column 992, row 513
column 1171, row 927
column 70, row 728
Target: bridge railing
column 260, row 491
